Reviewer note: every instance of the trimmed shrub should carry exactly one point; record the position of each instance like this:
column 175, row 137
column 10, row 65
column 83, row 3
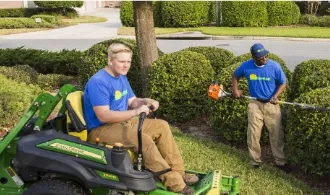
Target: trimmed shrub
column 219, row 58
column 126, row 13
column 308, row 133
column 247, row 56
column 15, row 98
column 157, row 12
column 59, row 4
column 47, row 18
column 244, row 13
column 178, row 82
column 185, row 13
column 309, row 19
column 96, row 58
column 309, row 75
column 18, row 12
column 10, row 23
column 324, row 9
column 64, row 62
column 282, row 13
column 27, row 75
column 212, row 13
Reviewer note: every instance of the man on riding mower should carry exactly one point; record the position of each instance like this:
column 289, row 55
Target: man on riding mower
column 266, row 81
column 111, row 111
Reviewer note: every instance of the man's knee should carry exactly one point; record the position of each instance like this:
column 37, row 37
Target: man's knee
column 161, row 124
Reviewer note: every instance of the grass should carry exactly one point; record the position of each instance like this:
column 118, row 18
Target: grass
column 203, row 155
column 20, row 30
column 84, row 19
column 296, row 31
column 65, row 22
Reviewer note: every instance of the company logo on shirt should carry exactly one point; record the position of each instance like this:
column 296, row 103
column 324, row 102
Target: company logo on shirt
column 254, row 77
column 119, row 95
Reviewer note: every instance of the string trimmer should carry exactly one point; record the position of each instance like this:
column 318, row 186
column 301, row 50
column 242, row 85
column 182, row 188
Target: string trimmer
column 216, row 91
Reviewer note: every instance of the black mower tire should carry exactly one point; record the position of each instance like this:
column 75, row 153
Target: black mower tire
column 55, row 187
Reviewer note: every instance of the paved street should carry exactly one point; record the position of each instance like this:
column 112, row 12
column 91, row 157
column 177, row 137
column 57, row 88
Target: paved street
column 83, row 36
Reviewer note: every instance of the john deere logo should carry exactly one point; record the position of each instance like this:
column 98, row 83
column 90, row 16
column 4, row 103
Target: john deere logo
column 254, row 77
column 260, row 50
column 108, row 176
column 119, row 95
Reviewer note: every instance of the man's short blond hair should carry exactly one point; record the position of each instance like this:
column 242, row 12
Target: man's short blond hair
column 116, row 48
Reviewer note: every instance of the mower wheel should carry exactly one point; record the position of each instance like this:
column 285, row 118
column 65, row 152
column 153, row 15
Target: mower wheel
column 55, row 187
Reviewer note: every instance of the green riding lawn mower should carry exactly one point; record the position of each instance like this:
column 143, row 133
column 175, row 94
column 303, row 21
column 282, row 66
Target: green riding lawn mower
column 52, row 157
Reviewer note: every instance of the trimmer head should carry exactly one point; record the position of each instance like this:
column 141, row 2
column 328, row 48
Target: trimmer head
column 216, row 91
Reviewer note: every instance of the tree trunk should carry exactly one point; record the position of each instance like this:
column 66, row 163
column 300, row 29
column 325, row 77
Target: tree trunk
column 145, row 39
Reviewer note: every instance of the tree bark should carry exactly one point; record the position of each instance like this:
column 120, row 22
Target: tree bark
column 145, row 39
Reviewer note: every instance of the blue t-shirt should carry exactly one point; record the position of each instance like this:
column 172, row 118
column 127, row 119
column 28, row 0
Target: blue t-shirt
column 103, row 89
column 263, row 81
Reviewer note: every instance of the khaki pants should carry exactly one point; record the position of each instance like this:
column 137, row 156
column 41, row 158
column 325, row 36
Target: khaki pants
column 269, row 114
column 159, row 149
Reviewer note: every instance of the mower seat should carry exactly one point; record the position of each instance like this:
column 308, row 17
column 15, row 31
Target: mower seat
column 76, row 124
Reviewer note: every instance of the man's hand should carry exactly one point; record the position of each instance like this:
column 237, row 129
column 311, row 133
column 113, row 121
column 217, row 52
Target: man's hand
column 274, row 100
column 142, row 108
column 154, row 104
column 237, row 93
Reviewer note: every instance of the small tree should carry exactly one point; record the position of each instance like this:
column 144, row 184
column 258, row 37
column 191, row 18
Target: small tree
column 312, row 6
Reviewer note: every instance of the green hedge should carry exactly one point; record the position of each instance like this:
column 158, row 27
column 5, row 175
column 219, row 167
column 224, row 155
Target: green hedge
column 244, row 13
column 126, row 13
column 63, row 62
column 311, row 20
column 26, row 74
column 308, row 136
column 10, row 23
column 47, row 18
column 18, row 12
column 15, row 98
column 59, row 4
column 219, row 58
column 96, row 58
column 185, row 13
column 282, row 13
column 179, row 81
column 309, row 75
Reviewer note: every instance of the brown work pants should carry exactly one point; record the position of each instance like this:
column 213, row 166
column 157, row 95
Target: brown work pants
column 159, row 149
column 267, row 114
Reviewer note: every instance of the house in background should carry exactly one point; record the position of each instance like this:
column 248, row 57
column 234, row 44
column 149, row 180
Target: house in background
column 88, row 5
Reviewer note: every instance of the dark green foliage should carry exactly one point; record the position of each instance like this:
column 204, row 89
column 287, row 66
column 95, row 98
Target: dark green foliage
column 157, row 7
column 59, row 4
column 308, row 133
column 179, row 81
column 96, row 58
column 185, row 13
column 18, row 12
column 219, row 58
column 244, row 13
column 324, row 9
column 10, row 23
column 15, row 98
column 311, row 20
column 64, row 62
column 212, row 13
column 126, row 13
column 282, row 13
column 309, row 75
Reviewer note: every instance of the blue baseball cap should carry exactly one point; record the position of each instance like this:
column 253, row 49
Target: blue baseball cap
column 258, row 50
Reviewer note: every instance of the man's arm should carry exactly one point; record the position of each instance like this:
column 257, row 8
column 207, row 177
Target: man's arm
column 278, row 92
column 236, row 92
column 135, row 102
column 105, row 115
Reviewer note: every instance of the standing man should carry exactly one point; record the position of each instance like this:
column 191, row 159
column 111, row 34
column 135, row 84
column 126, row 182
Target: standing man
column 111, row 110
column 266, row 81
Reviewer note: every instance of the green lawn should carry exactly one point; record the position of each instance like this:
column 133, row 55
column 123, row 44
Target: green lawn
column 203, row 155
column 20, row 30
column 299, row 31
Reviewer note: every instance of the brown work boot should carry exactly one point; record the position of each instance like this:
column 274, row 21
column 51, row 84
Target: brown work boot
column 190, row 179
column 187, row 191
